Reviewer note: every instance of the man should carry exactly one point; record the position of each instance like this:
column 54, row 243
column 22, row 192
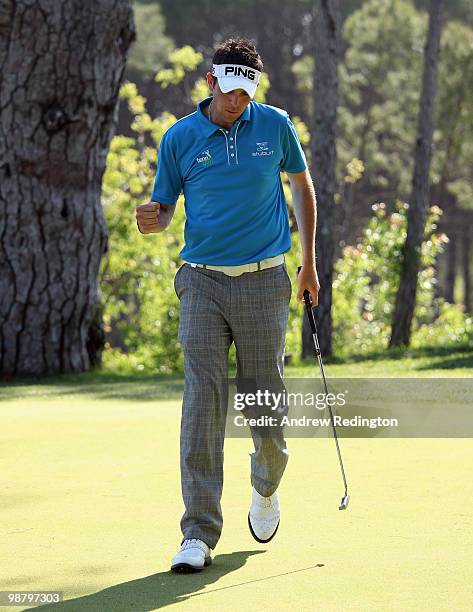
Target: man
column 227, row 158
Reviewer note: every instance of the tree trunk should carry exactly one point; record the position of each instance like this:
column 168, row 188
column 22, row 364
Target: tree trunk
column 451, row 269
column 61, row 68
column 419, row 200
column 326, row 39
column 466, row 267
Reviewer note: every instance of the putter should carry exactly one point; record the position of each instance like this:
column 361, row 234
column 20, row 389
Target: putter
column 310, row 314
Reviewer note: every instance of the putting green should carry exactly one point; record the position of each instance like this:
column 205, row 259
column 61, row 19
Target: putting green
column 91, row 507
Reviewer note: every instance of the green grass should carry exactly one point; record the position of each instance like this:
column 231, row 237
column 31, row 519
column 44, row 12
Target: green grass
column 91, row 505
column 128, row 385
column 430, row 362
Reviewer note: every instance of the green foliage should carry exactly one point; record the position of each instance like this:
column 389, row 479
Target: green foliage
column 380, row 78
column 136, row 279
column 302, row 131
column 379, row 84
column 355, row 169
column 200, row 90
column 182, row 60
column 366, row 281
column 452, row 163
column 452, row 327
column 152, row 47
column 303, row 71
column 262, row 89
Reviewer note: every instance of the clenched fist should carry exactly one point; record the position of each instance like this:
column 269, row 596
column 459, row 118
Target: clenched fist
column 151, row 218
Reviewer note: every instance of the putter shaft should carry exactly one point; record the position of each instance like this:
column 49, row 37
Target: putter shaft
column 310, row 315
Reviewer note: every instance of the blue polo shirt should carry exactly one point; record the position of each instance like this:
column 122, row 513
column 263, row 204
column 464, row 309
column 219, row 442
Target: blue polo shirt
column 235, row 207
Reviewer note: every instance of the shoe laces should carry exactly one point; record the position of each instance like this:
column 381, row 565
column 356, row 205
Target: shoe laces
column 192, row 543
column 264, row 502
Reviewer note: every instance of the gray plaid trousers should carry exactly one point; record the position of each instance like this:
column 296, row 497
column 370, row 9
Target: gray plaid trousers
column 250, row 310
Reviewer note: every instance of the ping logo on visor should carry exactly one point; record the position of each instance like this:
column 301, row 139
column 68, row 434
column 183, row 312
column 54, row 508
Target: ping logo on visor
column 249, row 73
column 235, row 76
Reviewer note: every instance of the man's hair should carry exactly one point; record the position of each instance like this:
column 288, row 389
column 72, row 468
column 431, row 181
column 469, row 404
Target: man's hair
column 238, row 51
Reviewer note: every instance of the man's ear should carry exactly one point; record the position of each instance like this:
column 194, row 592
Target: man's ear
column 210, row 81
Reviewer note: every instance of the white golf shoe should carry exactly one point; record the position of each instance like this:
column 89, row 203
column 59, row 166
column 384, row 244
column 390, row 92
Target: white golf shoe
column 263, row 518
column 193, row 557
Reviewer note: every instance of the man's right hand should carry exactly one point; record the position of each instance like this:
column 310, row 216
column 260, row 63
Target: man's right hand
column 148, row 218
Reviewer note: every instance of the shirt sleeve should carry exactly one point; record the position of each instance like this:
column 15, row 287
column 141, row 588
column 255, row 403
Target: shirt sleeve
column 168, row 182
column 293, row 155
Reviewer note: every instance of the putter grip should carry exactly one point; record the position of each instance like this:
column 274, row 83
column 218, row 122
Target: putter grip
column 307, row 298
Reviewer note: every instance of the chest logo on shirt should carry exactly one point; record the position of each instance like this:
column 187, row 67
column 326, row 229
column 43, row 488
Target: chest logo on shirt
column 262, row 148
column 205, row 158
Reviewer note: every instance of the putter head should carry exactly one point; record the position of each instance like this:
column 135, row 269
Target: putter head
column 344, row 503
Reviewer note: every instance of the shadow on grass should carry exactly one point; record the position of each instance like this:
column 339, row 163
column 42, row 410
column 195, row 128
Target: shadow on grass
column 96, row 384
column 451, row 363
column 399, row 353
column 165, row 588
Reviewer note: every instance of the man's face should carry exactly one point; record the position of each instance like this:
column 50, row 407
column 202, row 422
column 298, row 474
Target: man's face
column 228, row 105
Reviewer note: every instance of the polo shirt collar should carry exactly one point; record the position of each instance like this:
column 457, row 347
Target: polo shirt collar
column 207, row 127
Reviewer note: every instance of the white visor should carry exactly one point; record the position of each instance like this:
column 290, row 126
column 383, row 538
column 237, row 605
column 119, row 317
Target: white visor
column 235, row 76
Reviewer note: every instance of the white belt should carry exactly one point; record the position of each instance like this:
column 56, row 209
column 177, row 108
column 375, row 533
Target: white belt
column 271, row 262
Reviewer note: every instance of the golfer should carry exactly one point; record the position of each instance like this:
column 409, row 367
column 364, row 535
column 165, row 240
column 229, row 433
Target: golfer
column 227, row 158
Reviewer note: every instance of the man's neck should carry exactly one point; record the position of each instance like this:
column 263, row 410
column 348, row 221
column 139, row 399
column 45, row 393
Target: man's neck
column 212, row 116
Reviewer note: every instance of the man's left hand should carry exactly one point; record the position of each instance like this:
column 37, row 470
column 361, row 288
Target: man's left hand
column 308, row 279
